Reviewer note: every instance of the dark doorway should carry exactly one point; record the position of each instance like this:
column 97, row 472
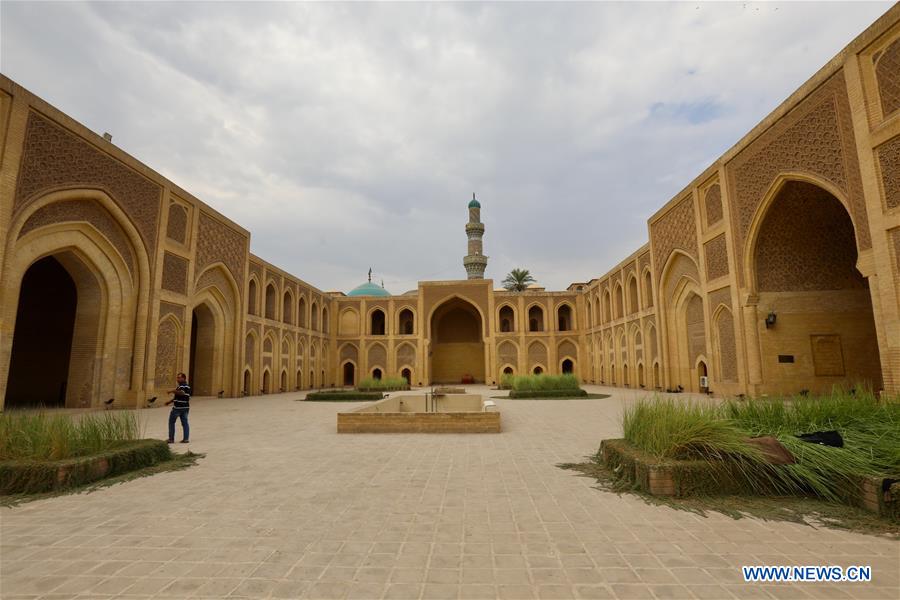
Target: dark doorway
column 42, row 341
column 349, row 374
column 246, row 383
column 407, row 375
column 567, row 366
column 203, row 345
column 377, row 322
column 376, row 373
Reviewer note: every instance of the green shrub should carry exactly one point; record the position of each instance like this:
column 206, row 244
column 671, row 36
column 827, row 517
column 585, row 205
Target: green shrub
column 343, row 396
column 42, row 436
column 539, row 382
column 522, row 394
column 386, row 383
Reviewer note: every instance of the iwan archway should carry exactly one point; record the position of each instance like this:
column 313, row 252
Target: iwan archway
column 814, row 312
column 457, row 343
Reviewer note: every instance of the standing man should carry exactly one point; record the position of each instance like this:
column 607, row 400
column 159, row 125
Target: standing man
column 181, row 405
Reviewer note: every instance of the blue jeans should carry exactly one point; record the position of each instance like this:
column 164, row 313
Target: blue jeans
column 179, row 413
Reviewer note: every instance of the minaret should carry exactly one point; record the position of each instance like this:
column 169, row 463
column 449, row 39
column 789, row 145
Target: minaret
column 475, row 261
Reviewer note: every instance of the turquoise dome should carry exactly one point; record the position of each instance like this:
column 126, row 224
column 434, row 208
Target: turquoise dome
column 474, row 203
column 368, row 289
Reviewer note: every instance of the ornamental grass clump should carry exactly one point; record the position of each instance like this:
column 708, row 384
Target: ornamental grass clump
column 679, row 430
column 42, row 436
column 540, row 382
column 673, row 429
column 870, row 429
column 386, row 383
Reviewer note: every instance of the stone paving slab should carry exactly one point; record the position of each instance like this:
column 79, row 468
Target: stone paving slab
column 284, row 507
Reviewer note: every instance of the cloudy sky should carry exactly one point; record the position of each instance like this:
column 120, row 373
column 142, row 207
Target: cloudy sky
column 345, row 136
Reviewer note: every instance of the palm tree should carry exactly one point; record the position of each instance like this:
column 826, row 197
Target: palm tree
column 518, row 280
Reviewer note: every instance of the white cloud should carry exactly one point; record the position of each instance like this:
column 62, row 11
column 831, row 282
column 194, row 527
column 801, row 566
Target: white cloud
column 345, row 136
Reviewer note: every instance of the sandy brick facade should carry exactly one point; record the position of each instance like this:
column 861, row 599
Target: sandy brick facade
column 776, row 269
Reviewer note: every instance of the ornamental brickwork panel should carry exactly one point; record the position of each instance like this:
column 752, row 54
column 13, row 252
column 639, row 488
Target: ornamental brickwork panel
column 177, row 227
column 83, row 210
column 168, row 308
column 889, row 165
column 814, row 138
column 887, row 72
column 567, row 348
column 166, row 353
column 722, row 296
column 218, row 242
column 727, row 350
column 716, row 257
column 537, row 353
column 377, row 356
column 349, row 352
column 406, row 355
column 250, row 350
column 55, row 158
column 175, row 270
column 507, row 353
column 712, row 200
column 675, row 230
column 796, row 253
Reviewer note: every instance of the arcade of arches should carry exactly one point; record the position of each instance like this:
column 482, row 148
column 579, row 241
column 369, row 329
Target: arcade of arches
column 777, row 269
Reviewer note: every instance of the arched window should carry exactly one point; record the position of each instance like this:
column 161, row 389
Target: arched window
column 324, row 319
column 537, row 371
column 314, row 317
column 301, row 312
column 377, row 322
column 405, row 322
column 535, row 318
column 564, row 316
column 619, row 299
column 287, row 305
column 648, row 290
column 507, row 319
column 271, row 302
column 251, row 297
column 607, row 307
column 633, row 306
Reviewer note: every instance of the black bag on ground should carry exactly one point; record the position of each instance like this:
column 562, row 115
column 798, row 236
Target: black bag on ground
column 823, row 438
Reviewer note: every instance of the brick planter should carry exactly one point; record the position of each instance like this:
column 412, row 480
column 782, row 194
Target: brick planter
column 395, row 422
column 698, row 477
column 34, row 476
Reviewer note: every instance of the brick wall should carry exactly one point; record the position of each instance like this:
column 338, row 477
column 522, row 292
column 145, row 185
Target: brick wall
column 487, row 422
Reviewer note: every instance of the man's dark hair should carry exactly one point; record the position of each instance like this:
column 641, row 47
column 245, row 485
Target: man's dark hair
column 181, row 375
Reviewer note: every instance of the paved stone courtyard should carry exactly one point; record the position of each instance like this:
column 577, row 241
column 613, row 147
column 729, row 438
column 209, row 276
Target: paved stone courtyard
column 284, row 507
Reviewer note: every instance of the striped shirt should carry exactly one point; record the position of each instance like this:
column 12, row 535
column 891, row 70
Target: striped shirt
column 182, row 396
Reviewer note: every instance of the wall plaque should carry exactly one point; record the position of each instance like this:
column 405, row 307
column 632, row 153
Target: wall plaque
column 828, row 357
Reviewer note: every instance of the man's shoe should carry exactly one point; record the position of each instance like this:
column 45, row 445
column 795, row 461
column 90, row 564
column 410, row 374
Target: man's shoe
column 170, row 441
column 185, row 441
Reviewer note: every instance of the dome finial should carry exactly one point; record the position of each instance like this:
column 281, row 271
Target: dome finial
column 370, row 274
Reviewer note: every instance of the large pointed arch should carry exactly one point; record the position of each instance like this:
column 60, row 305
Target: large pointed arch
column 114, row 364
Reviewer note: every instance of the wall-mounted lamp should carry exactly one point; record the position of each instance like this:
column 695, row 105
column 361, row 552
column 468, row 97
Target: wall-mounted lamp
column 770, row 320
